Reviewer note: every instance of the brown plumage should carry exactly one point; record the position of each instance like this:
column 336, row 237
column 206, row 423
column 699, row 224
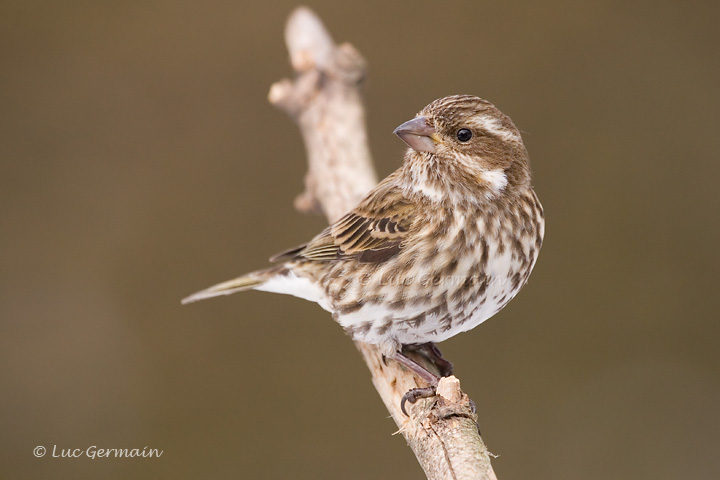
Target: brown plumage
column 436, row 248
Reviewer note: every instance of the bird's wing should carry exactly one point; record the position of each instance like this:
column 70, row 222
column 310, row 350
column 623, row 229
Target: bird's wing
column 372, row 232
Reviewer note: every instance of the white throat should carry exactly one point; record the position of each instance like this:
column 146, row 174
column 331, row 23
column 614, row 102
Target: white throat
column 496, row 181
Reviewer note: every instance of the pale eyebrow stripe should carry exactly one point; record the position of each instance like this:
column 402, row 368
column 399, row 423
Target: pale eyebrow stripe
column 493, row 126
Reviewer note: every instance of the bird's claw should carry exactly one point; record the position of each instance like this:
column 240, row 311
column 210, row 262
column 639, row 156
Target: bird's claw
column 414, row 395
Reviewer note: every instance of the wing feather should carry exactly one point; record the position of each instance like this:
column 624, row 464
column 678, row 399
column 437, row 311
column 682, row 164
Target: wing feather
column 373, row 232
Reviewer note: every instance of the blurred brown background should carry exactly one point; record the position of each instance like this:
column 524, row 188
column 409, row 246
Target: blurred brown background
column 140, row 161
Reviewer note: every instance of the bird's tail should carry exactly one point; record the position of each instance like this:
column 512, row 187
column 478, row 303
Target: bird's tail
column 245, row 282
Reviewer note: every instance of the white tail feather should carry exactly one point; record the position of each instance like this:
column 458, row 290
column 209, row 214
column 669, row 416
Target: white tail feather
column 246, row 282
column 276, row 280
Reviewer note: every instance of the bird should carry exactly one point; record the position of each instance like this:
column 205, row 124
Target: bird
column 436, row 248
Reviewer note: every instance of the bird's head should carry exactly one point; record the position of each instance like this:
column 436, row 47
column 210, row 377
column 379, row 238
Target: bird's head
column 467, row 136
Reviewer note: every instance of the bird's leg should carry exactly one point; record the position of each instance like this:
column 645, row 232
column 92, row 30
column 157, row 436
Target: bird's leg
column 415, row 394
column 416, row 368
column 431, row 352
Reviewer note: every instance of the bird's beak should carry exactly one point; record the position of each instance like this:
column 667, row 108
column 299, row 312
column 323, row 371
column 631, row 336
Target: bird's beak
column 418, row 134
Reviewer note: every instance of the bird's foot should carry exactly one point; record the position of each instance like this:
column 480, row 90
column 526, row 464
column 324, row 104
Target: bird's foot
column 416, row 394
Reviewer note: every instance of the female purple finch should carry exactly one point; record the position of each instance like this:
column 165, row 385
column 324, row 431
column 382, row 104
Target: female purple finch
column 437, row 248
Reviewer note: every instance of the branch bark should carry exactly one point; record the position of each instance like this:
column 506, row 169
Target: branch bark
column 325, row 101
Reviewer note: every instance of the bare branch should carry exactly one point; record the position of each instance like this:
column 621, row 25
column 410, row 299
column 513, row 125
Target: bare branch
column 325, row 101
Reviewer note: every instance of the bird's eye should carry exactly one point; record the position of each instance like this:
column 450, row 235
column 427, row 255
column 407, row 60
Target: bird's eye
column 464, row 135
